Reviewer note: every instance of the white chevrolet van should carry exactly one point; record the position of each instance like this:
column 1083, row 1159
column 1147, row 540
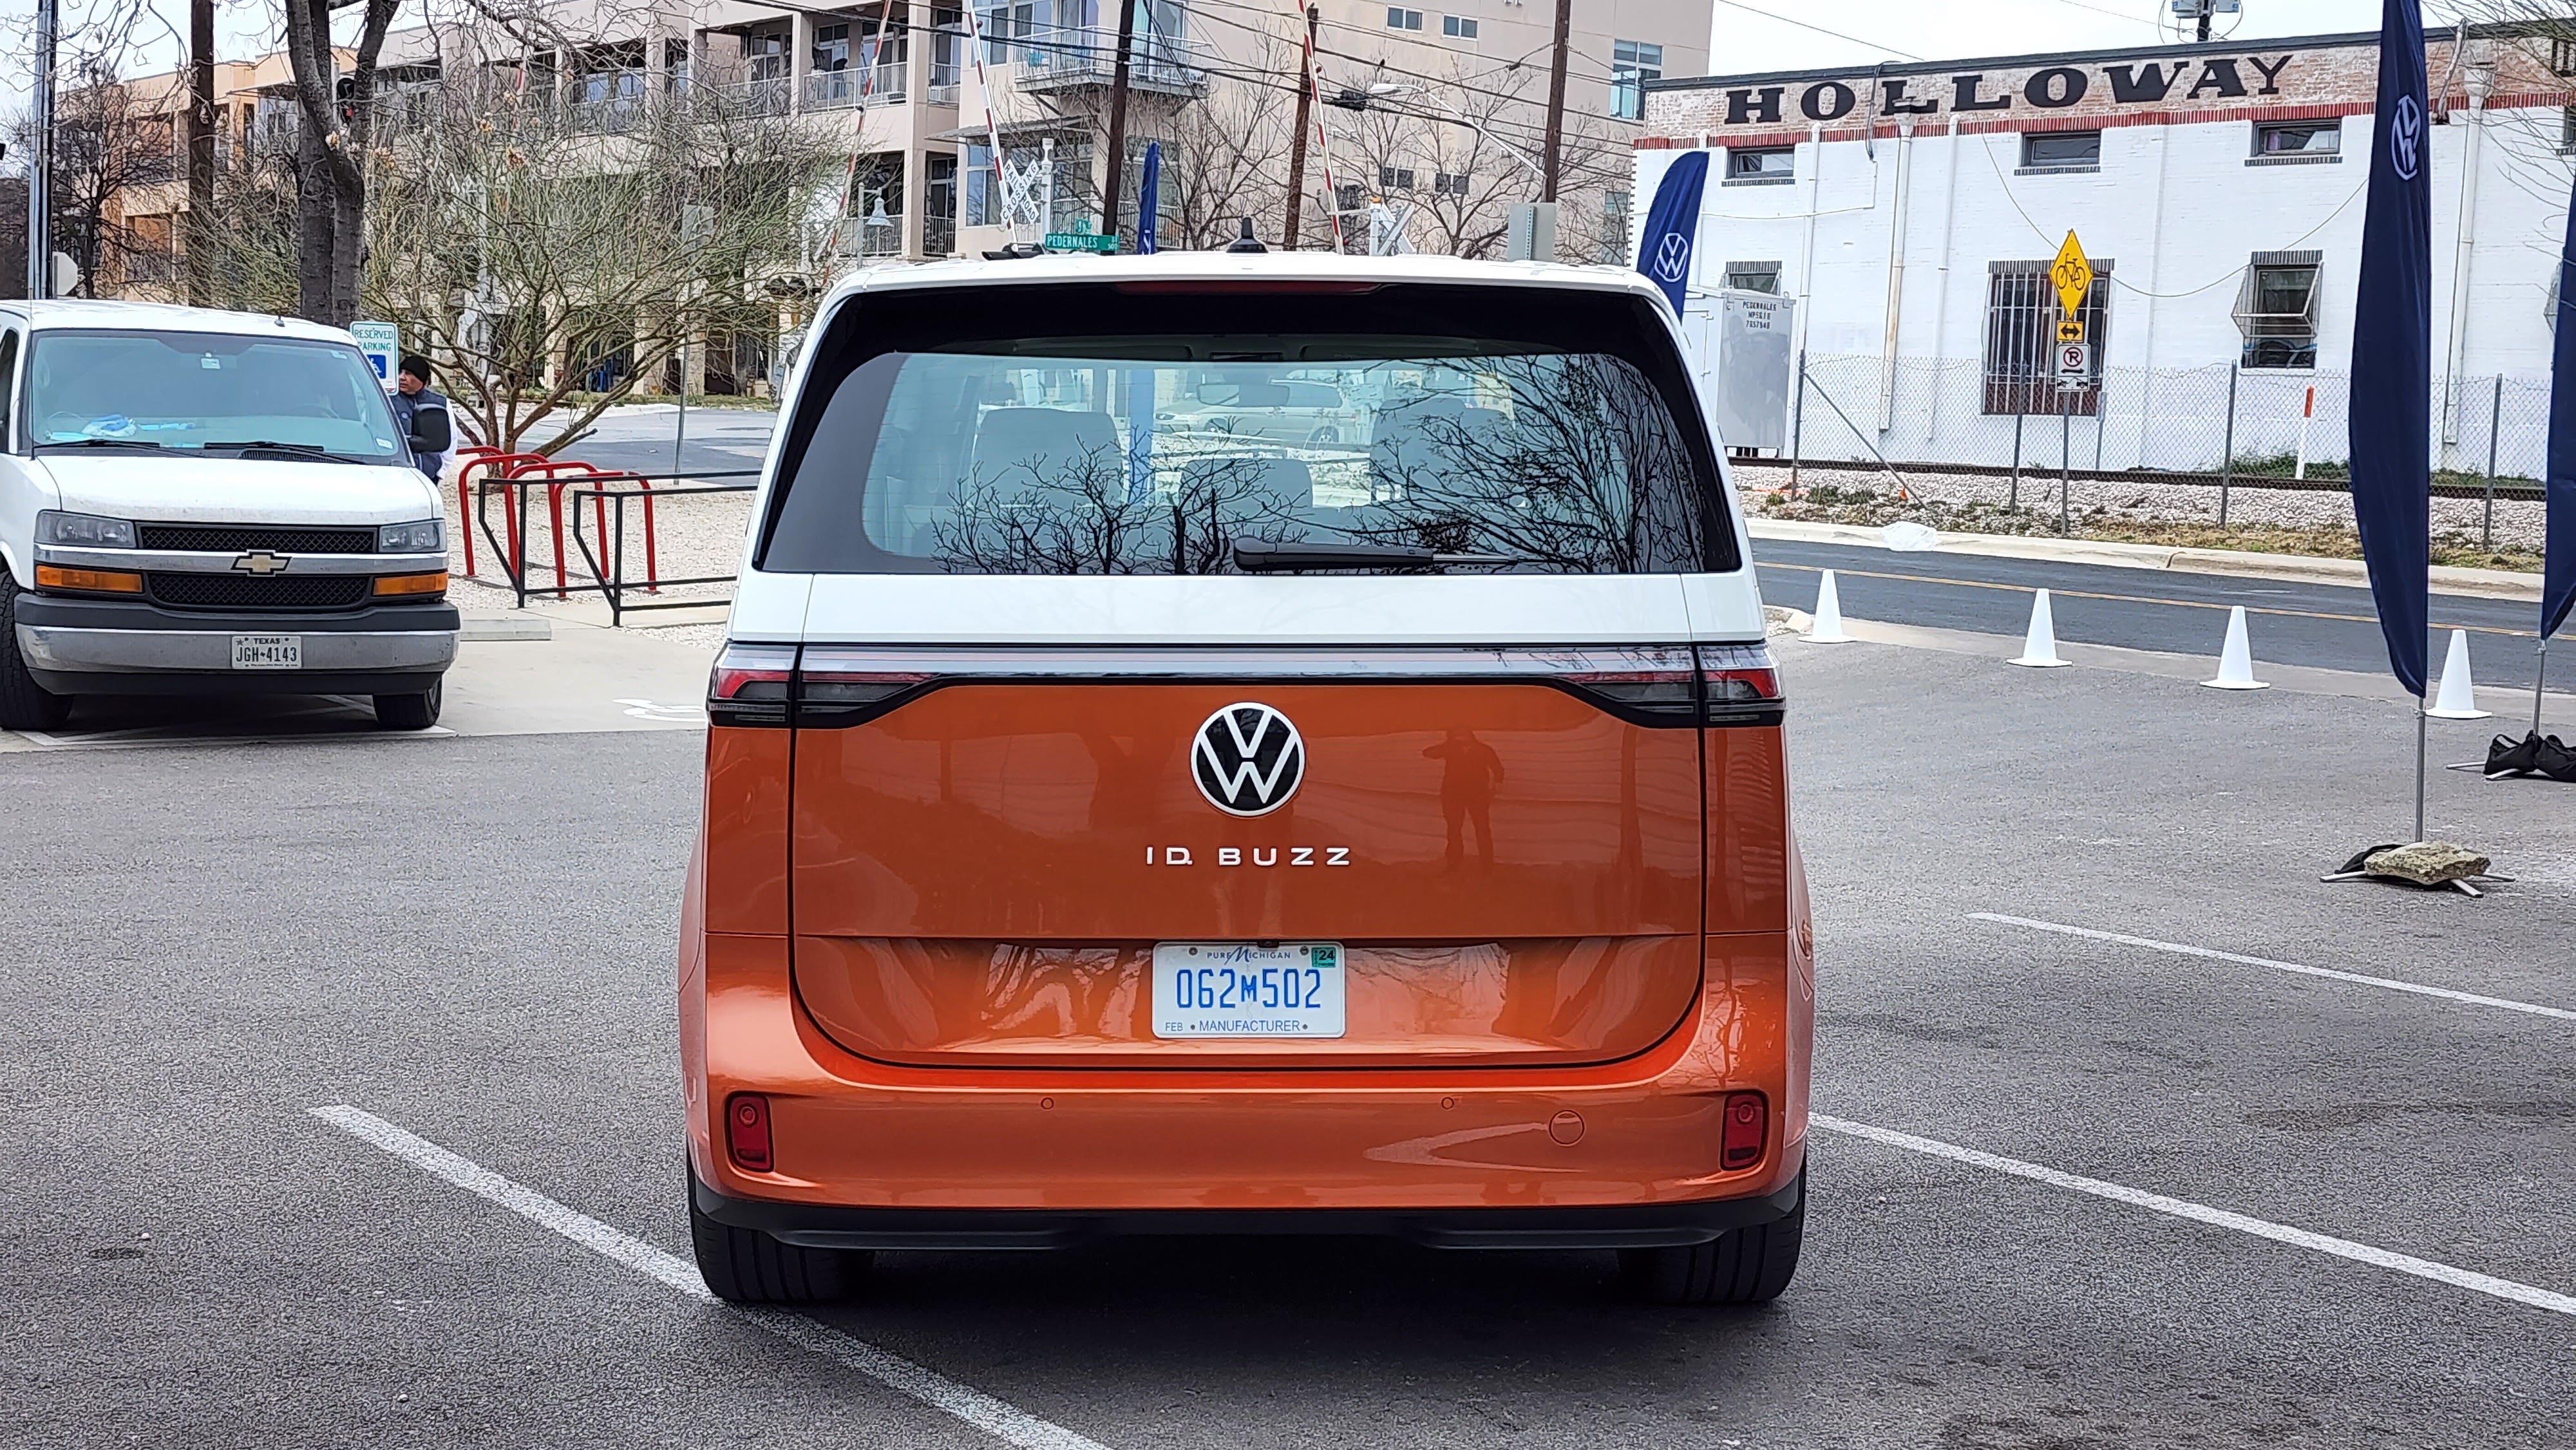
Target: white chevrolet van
column 198, row 502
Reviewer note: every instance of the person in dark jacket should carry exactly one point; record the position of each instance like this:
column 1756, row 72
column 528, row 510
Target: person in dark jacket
column 412, row 394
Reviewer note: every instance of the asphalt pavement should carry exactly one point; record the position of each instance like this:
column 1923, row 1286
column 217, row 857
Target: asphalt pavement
column 2324, row 626
column 2078, row 1193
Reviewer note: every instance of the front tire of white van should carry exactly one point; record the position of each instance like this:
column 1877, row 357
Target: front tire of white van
column 1751, row 1265
column 411, row 712
column 24, row 704
column 746, row 1266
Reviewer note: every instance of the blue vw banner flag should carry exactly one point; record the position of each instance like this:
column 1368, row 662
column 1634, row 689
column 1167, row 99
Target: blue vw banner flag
column 2558, row 570
column 1672, row 226
column 1146, row 195
column 2392, row 341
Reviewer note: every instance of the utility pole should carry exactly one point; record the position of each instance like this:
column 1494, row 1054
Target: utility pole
column 1118, row 120
column 1297, row 147
column 1556, row 100
column 40, row 167
column 199, row 239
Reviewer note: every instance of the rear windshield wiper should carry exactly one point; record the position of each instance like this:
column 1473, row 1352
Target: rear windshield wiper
column 101, row 443
column 1259, row 556
column 270, row 445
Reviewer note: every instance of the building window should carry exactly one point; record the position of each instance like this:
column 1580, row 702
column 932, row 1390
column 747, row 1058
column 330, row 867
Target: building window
column 1449, row 183
column 875, row 225
column 1614, row 228
column 983, row 194
column 2061, row 150
column 1458, row 27
column 2021, row 340
column 1751, row 277
column 2276, row 309
column 2562, row 58
column 1397, row 19
column 1632, row 64
column 2298, row 138
column 1348, row 197
column 1395, row 178
column 2567, row 130
column 939, row 206
column 1761, row 164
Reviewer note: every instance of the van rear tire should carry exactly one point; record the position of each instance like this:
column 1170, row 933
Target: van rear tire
column 746, row 1266
column 1749, row 1265
column 24, row 704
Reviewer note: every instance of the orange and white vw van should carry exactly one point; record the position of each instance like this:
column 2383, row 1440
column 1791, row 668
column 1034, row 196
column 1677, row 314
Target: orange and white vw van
column 1118, row 826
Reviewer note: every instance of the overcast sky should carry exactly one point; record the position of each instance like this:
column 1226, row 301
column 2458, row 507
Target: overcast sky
column 1754, row 35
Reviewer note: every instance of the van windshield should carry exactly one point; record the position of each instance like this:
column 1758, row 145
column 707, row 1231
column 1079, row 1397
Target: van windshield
column 1152, row 452
column 192, row 390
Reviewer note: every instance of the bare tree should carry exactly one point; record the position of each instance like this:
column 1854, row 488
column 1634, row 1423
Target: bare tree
column 556, row 255
column 109, row 144
column 332, row 175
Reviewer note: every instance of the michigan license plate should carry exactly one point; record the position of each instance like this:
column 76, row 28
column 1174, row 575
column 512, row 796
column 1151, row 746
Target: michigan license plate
column 268, row 651
column 1236, row 989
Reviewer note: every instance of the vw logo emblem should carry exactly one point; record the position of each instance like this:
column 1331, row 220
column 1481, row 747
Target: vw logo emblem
column 1672, row 259
column 1247, row 759
column 2405, row 137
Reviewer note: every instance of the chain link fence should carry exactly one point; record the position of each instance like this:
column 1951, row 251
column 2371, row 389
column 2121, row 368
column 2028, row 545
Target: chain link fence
column 2255, row 424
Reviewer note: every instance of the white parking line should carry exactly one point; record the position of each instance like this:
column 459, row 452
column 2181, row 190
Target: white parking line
column 2180, row 949
column 1003, row 1422
column 2519, row 1293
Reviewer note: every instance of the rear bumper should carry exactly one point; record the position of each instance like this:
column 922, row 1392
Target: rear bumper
column 1620, row 1226
column 1611, row 1154
column 96, row 647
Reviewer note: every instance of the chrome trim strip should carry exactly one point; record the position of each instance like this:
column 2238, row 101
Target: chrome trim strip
column 191, row 561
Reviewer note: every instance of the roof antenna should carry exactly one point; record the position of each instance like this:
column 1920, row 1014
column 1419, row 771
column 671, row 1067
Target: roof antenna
column 1247, row 242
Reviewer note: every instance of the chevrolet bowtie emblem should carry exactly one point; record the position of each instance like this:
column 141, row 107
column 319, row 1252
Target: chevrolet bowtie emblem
column 260, row 562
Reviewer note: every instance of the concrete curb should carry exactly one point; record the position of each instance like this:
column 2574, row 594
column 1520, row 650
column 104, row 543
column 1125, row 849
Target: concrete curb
column 2294, row 568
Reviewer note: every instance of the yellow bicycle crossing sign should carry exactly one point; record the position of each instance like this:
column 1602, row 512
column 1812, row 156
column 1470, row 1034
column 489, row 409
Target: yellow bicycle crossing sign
column 2072, row 276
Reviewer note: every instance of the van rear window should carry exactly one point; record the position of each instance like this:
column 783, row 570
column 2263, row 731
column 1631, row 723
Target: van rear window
column 1082, row 429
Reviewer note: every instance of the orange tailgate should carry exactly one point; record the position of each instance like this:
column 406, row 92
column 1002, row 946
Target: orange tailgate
column 980, row 874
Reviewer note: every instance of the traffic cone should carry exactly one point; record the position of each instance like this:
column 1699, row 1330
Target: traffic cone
column 2039, row 647
column 2458, row 699
column 2236, row 658
column 1828, row 628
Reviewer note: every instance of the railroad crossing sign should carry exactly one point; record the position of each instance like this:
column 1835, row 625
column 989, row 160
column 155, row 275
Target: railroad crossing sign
column 2072, row 276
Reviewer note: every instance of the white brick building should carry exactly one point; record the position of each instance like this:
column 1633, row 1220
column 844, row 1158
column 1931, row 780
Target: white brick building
column 1913, row 209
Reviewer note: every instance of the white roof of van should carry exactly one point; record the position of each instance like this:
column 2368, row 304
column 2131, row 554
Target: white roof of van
column 1272, row 266
column 162, row 317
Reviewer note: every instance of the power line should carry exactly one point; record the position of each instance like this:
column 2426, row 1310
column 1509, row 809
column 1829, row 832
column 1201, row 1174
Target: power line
column 1820, row 30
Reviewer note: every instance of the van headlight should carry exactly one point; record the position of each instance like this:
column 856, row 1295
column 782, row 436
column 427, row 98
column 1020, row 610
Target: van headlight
column 83, row 531
column 424, row 537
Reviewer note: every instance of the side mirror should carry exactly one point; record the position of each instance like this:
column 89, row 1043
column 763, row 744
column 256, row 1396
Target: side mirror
column 430, row 431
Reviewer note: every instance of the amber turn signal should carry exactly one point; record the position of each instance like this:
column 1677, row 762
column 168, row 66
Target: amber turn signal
column 410, row 584
column 91, row 581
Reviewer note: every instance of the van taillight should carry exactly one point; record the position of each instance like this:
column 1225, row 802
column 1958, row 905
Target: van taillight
column 1748, row 1126
column 749, row 684
column 1740, row 683
column 836, row 686
column 747, row 1131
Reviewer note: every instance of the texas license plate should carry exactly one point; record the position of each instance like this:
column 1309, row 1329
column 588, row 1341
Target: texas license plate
column 268, row 651
column 1236, row 989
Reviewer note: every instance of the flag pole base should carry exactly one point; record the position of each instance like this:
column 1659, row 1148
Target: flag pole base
column 2424, row 865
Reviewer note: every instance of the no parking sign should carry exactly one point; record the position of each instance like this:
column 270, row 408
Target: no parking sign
column 381, row 343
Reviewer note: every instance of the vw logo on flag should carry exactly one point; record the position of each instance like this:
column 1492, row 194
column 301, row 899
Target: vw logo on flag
column 1248, row 760
column 2405, row 137
column 1672, row 259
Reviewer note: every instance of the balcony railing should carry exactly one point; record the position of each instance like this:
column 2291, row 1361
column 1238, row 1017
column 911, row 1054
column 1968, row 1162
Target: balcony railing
column 761, row 95
column 1065, row 57
column 831, row 90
